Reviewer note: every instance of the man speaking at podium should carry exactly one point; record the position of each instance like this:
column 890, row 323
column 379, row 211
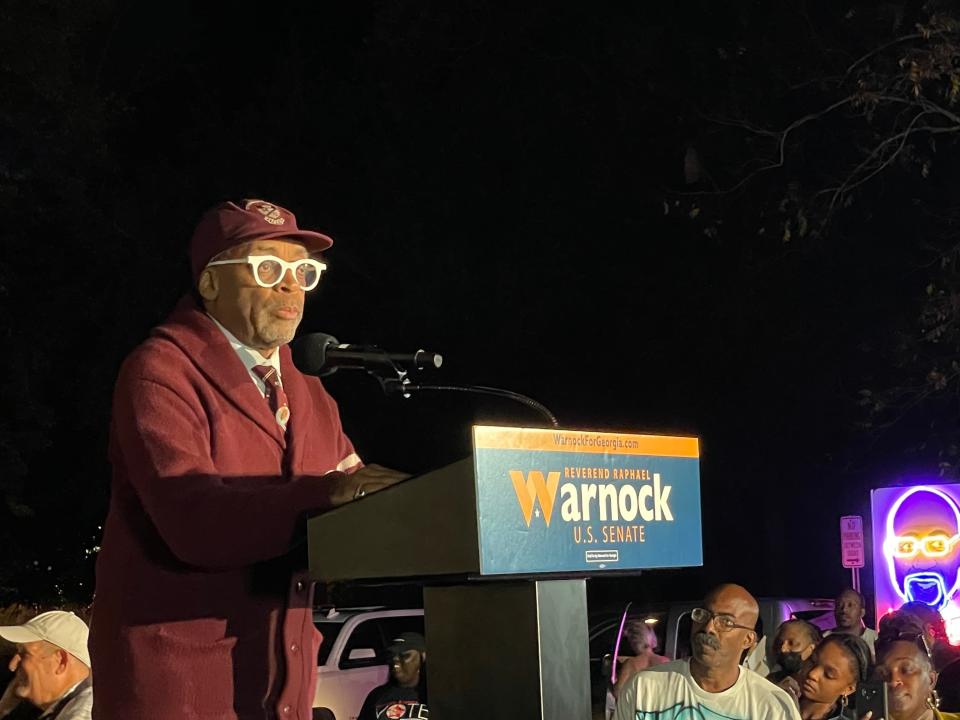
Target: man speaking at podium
column 220, row 449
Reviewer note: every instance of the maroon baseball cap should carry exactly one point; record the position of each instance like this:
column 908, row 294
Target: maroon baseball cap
column 230, row 224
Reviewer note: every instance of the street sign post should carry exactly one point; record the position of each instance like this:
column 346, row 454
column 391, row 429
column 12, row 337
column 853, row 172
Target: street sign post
column 852, row 552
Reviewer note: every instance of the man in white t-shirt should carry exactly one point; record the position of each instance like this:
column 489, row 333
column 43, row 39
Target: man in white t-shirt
column 712, row 683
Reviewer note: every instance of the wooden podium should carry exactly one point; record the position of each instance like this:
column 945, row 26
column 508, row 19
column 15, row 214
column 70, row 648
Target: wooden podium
column 504, row 584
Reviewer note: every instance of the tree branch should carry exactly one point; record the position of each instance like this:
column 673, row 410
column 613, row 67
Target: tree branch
column 911, row 129
column 781, row 146
column 896, row 41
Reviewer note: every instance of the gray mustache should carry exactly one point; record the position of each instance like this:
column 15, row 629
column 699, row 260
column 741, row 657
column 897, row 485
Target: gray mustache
column 702, row 638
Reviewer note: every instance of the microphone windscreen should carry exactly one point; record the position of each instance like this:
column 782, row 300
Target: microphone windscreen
column 310, row 352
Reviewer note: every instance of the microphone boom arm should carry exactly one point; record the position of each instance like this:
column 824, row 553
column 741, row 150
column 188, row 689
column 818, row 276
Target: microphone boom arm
column 403, row 386
column 321, row 354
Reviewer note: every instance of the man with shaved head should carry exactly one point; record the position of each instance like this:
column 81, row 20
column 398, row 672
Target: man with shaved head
column 711, row 683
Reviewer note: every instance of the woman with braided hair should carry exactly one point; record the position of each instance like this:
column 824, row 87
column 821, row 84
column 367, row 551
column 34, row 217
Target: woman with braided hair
column 838, row 664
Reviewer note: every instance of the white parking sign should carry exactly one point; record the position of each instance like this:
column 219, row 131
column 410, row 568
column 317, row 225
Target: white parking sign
column 851, row 541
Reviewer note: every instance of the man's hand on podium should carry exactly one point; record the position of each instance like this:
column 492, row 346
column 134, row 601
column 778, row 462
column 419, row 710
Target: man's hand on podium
column 366, row 480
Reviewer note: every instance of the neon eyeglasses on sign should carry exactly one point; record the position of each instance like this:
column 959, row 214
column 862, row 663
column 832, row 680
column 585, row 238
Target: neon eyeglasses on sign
column 936, row 545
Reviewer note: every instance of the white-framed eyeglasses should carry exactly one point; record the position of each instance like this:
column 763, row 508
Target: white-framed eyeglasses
column 269, row 270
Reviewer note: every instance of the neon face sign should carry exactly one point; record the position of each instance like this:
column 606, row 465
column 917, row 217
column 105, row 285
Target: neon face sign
column 922, row 534
column 917, row 549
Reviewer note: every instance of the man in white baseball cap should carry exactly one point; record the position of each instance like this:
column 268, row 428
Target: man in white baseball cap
column 52, row 665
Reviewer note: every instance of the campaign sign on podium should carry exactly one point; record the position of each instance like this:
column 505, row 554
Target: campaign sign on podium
column 565, row 500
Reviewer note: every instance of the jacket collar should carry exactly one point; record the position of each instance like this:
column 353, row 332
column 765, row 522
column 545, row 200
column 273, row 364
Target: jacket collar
column 195, row 333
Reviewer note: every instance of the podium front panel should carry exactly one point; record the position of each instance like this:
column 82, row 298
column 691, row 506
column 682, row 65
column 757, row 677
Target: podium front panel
column 423, row 527
column 563, row 501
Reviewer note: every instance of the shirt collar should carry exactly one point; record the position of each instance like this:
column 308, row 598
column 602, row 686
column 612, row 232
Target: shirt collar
column 249, row 356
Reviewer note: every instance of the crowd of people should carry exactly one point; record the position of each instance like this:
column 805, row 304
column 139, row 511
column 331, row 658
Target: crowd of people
column 816, row 674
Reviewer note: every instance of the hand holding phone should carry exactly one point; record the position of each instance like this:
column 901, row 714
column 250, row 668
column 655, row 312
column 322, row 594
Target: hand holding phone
column 871, row 697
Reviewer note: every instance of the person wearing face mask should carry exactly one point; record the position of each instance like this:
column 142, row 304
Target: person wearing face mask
column 838, row 664
column 904, row 664
column 793, row 644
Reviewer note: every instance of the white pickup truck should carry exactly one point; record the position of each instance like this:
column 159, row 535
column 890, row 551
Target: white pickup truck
column 352, row 659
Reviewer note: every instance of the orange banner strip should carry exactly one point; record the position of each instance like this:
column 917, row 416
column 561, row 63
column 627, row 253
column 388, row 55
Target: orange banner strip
column 506, row 438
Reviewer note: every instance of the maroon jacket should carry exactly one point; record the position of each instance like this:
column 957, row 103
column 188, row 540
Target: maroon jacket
column 202, row 609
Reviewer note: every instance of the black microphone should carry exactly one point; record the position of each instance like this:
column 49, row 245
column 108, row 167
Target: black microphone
column 322, row 354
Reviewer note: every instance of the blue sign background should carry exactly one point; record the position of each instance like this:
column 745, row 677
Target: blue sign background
column 508, row 546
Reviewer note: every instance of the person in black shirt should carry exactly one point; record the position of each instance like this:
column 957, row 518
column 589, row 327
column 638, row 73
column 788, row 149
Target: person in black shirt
column 404, row 696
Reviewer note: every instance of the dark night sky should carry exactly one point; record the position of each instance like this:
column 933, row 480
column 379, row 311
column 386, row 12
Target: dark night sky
column 494, row 179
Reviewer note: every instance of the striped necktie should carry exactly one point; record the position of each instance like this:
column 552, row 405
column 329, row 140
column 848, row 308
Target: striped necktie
column 273, row 391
